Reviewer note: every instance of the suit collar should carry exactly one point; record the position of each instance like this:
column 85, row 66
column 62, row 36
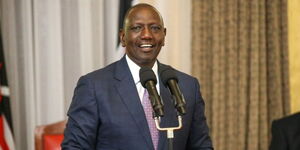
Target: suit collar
column 135, row 70
column 127, row 90
column 121, row 71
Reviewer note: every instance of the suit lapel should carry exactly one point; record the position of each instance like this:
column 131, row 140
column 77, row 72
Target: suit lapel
column 170, row 113
column 129, row 95
column 163, row 134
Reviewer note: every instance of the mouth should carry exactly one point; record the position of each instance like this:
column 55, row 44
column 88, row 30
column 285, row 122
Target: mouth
column 146, row 46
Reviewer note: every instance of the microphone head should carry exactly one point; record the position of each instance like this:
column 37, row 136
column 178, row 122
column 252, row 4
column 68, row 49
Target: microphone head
column 166, row 73
column 147, row 74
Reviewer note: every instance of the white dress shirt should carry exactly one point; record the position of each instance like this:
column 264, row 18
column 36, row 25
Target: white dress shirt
column 135, row 72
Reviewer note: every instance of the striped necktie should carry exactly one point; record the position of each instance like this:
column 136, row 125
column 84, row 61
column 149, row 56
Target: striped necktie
column 151, row 123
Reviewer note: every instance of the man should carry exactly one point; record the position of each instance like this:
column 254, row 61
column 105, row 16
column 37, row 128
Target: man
column 107, row 110
column 286, row 133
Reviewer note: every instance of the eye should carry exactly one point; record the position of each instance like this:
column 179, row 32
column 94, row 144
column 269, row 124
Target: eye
column 155, row 28
column 136, row 28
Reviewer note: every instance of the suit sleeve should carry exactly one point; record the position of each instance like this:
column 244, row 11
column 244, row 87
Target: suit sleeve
column 278, row 141
column 199, row 138
column 82, row 125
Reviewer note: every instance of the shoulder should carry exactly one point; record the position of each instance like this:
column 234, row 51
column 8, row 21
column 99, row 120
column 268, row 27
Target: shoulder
column 185, row 80
column 102, row 73
column 181, row 75
column 285, row 132
column 115, row 70
column 289, row 124
column 293, row 119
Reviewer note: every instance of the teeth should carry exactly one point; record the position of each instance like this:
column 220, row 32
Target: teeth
column 146, row 46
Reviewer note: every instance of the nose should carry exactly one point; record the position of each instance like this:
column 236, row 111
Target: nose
column 146, row 33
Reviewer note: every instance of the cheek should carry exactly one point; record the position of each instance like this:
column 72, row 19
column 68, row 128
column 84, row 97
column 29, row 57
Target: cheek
column 162, row 42
column 161, row 39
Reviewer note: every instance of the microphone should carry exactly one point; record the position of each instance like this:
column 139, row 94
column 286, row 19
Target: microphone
column 148, row 80
column 170, row 80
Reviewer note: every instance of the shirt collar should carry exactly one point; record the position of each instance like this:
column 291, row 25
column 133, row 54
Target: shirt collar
column 135, row 70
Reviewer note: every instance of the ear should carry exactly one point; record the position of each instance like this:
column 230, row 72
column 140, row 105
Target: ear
column 122, row 37
column 165, row 33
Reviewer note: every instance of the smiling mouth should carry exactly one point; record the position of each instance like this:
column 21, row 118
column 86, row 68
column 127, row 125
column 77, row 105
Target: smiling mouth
column 146, row 46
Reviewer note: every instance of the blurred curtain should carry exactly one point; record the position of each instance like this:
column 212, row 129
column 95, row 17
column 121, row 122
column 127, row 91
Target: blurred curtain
column 49, row 44
column 240, row 55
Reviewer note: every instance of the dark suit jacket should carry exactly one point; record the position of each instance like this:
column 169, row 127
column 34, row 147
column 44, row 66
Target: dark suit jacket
column 286, row 133
column 106, row 114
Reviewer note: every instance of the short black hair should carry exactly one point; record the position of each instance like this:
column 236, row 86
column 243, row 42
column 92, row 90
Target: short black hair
column 141, row 5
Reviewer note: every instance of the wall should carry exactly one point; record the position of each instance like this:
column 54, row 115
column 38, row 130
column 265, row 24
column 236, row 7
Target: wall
column 294, row 52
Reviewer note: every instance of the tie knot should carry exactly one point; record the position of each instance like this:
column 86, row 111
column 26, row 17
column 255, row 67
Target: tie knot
column 146, row 94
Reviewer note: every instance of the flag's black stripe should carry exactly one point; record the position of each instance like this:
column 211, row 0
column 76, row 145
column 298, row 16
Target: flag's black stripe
column 3, row 77
column 4, row 103
column 3, row 96
column 124, row 6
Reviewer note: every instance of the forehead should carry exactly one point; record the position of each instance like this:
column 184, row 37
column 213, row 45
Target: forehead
column 143, row 15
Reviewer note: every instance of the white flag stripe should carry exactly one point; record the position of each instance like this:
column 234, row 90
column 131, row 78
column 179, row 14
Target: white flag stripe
column 8, row 135
column 4, row 90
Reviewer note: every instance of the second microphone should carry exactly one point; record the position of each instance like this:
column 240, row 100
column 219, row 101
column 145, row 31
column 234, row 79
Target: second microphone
column 148, row 80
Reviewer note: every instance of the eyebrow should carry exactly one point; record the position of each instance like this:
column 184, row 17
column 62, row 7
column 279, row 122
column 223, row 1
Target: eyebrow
column 142, row 23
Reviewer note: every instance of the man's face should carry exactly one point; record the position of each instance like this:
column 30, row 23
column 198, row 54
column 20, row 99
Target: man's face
column 144, row 35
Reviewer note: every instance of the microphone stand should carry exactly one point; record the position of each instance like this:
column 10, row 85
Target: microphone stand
column 170, row 130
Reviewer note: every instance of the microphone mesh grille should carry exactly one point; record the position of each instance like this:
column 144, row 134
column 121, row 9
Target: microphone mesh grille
column 166, row 73
column 147, row 74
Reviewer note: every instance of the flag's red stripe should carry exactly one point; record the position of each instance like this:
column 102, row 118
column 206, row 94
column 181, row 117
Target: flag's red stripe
column 3, row 143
